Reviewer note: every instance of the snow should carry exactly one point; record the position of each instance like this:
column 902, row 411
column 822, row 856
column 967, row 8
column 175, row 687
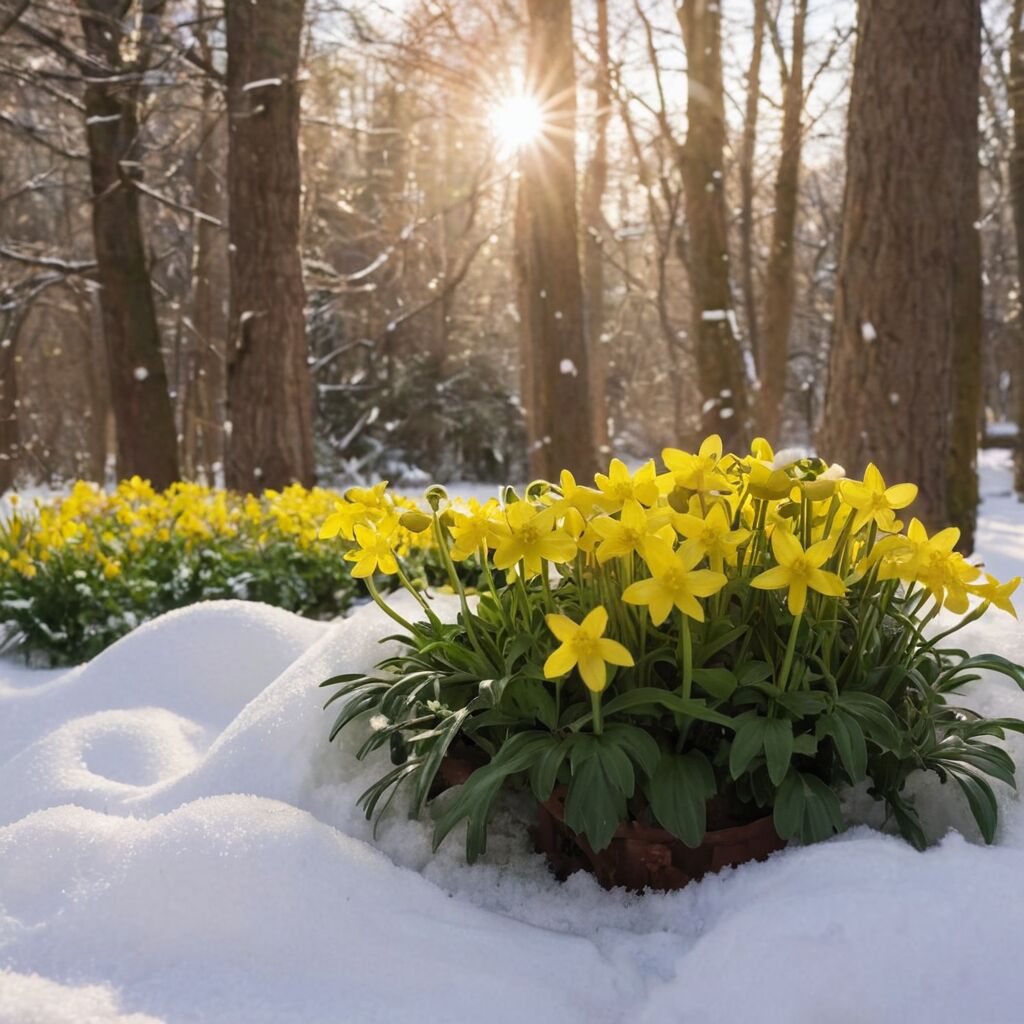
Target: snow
column 178, row 842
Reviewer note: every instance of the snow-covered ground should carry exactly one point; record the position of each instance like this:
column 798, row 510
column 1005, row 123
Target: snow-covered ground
column 178, row 842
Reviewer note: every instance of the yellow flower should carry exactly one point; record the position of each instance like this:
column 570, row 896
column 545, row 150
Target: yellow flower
column 585, row 645
column 374, row 552
column 698, row 472
column 474, row 530
column 628, row 533
column 766, row 482
column 874, row 501
column 712, row 536
column 997, row 593
column 573, row 496
column 618, row 486
column 674, row 582
column 799, row 570
column 528, row 535
column 933, row 562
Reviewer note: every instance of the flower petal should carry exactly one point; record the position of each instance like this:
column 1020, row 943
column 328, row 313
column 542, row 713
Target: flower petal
column 594, row 673
column 614, row 653
column 559, row 662
column 772, row 579
column 595, row 622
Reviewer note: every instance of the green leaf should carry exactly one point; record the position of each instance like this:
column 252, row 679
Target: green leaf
column 638, row 743
column 650, row 697
column 474, row 800
column 602, row 781
column 746, row 744
column 982, row 801
column 544, row 771
column 719, row 682
column 778, row 747
column 751, row 672
column 679, row 792
column 848, row 737
column 875, row 716
column 806, row 808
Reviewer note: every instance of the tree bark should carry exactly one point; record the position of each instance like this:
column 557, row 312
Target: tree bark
column 748, row 148
column 779, row 285
column 146, row 438
column 911, row 162
column 1017, row 194
column 8, row 401
column 270, row 406
column 717, row 350
column 554, row 351
column 203, row 387
column 594, row 185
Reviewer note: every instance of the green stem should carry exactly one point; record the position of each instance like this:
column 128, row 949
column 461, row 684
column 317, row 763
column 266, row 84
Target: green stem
column 389, row 611
column 595, row 704
column 787, row 662
column 686, row 645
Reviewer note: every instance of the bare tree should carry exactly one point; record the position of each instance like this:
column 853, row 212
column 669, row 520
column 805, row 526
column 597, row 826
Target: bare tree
column 594, row 184
column 270, row 406
column 716, row 344
column 909, row 183
column 1016, row 89
column 555, row 360
column 780, row 282
column 146, row 440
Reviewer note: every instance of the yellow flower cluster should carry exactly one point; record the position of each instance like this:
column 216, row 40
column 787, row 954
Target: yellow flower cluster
column 707, row 525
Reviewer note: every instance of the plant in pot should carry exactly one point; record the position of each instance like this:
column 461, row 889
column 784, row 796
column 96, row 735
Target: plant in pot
column 683, row 668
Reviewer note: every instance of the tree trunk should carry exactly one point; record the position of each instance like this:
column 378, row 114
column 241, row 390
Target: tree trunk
column 203, row 399
column 1017, row 193
column 911, row 161
column 965, row 409
column 594, row 185
column 555, row 364
column 748, row 148
column 146, row 440
column 714, row 335
column 8, row 401
column 270, row 406
column 779, row 281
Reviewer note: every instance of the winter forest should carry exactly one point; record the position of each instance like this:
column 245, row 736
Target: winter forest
column 511, row 510
column 470, row 241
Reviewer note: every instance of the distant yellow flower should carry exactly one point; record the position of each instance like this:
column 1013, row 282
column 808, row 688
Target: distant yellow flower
column 799, row 570
column 529, row 535
column 874, row 501
column 619, row 486
column 374, row 552
column 674, row 583
column 698, row 472
column 628, row 533
column 474, row 530
column 586, row 646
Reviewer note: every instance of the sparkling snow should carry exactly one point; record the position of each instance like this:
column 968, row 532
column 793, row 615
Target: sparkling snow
column 178, row 843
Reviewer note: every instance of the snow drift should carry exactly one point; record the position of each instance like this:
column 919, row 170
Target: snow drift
column 178, row 842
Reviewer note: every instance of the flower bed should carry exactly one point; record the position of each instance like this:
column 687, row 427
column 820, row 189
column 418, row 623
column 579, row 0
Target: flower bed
column 80, row 572
column 734, row 633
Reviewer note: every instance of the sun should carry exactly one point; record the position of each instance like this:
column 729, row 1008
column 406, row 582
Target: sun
column 517, row 122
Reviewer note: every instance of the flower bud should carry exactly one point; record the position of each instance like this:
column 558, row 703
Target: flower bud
column 436, row 496
column 415, row 521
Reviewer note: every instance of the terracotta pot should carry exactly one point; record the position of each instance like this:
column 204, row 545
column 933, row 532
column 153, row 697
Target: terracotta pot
column 642, row 857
